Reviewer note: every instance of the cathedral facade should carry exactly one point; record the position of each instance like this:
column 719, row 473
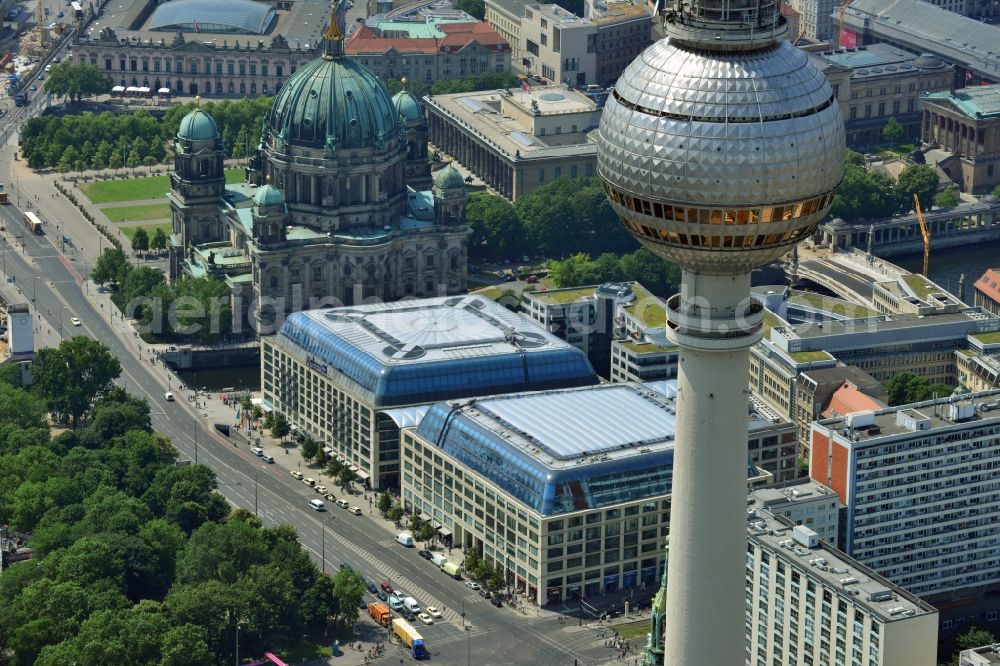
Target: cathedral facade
column 339, row 206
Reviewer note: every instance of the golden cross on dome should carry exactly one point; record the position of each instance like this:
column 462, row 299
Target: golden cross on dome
column 334, row 33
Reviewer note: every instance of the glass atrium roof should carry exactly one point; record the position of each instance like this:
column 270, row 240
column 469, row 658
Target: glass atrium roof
column 420, row 351
column 233, row 16
column 566, row 450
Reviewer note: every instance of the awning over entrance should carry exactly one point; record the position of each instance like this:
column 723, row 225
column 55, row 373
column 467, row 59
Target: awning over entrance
column 444, row 531
column 353, row 468
column 407, row 417
column 435, row 524
column 363, row 475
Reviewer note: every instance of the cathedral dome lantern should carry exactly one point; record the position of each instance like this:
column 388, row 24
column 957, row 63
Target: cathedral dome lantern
column 411, row 114
column 197, row 126
column 450, row 196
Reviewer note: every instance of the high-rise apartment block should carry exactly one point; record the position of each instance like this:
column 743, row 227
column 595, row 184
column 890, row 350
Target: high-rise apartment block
column 920, row 487
column 806, row 503
column 808, row 603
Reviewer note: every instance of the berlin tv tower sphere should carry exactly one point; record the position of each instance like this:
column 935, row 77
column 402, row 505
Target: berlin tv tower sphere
column 721, row 145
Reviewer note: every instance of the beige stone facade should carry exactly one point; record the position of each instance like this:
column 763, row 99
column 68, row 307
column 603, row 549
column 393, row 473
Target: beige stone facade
column 966, row 123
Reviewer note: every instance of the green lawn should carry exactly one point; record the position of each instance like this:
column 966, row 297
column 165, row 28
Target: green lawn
column 807, row 356
column 920, row 285
column 137, row 213
column 990, row 338
column 150, row 229
column 135, row 189
column 633, row 629
column 129, row 189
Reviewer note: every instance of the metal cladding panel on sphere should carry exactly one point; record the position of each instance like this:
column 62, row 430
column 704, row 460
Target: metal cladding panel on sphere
column 758, row 133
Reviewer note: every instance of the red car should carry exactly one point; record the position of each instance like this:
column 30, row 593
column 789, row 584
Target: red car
column 386, row 587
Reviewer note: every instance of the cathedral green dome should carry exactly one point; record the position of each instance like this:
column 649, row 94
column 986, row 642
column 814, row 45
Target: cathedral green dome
column 449, row 178
column 197, row 126
column 268, row 195
column 408, row 106
column 333, row 102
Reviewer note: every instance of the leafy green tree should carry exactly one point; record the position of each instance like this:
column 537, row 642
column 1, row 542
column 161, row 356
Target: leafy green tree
column 72, row 376
column 476, row 8
column 21, row 409
column 112, row 266
column 416, row 522
column 496, row 579
column 919, row 179
column 279, row 426
column 348, row 589
column 497, row 231
column 384, row 503
column 892, row 131
column 947, row 198
column 309, row 448
column 115, row 160
column 996, row 191
column 396, row 512
column 426, row 533
column 906, row 388
column 864, row 194
column 140, row 240
column 346, row 476
column 333, row 467
column 76, row 81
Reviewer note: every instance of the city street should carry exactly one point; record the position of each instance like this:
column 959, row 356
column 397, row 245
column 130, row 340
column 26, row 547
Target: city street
column 54, row 282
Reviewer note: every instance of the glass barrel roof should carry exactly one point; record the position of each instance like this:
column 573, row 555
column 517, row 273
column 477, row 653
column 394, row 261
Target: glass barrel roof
column 233, row 16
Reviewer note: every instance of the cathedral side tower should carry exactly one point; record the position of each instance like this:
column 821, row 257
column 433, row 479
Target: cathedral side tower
column 411, row 114
column 450, row 196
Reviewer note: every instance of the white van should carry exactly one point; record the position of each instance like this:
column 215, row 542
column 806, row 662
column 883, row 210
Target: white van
column 342, row 503
column 411, row 605
column 405, row 539
column 438, row 559
column 317, row 505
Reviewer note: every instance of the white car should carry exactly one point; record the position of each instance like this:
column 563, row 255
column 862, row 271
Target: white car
column 257, row 451
column 321, row 490
column 296, row 475
column 268, row 459
column 432, row 611
column 355, row 510
column 425, row 618
column 75, row 321
column 168, row 396
column 472, row 585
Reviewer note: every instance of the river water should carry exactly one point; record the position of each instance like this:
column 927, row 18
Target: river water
column 216, row 379
column 949, row 264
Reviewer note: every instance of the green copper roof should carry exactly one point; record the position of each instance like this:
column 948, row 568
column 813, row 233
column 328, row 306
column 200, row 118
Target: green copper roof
column 975, row 102
column 448, row 178
column 268, row 195
column 408, row 105
column 333, row 102
column 197, row 126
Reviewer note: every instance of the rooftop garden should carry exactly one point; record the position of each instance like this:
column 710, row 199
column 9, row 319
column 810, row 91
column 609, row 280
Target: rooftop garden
column 990, row 338
column 835, row 306
column 920, row 286
column 809, row 356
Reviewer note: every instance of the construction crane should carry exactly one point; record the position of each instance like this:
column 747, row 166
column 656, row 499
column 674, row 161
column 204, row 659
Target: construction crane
column 840, row 22
column 924, row 233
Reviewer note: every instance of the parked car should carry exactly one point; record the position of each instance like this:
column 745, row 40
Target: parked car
column 168, row 396
column 472, row 585
column 330, row 497
column 268, row 459
column 342, row 503
column 382, row 595
column 497, row 601
column 257, row 451
column 321, row 490
column 426, row 554
column 311, row 482
column 345, row 565
column 407, row 615
column 386, row 586
column 75, row 321
column 484, row 593
column 372, row 586
column 296, row 475
column 355, row 510
column 425, row 618
column 432, row 611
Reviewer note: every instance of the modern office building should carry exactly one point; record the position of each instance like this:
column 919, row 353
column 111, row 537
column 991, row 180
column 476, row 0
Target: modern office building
column 650, row 358
column 886, row 345
column 919, row 484
column 550, row 42
column 574, row 506
column 966, row 124
column 876, row 82
column 809, row 603
column 517, row 140
column 718, row 179
column 328, row 214
column 439, row 47
column 199, row 47
column 587, row 317
column 773, row 442
column 561, row 47
column 988, row 655
column 804, row 502
column 987, row 291
column 334, row 372
column 913, row 294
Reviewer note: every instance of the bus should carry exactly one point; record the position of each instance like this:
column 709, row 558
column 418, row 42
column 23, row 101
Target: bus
column 32, row 222
column 3, row 196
